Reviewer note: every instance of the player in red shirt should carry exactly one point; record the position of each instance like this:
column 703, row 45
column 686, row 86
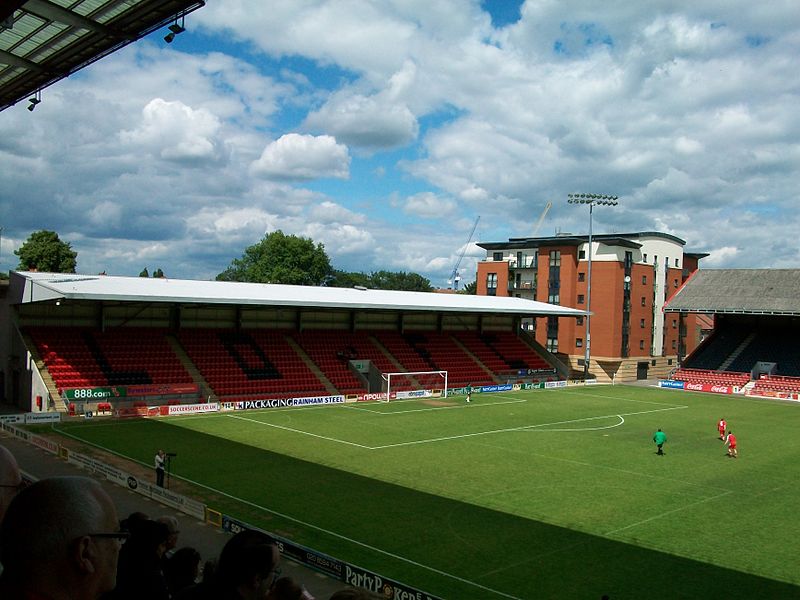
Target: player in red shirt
column 721, row 427
column 731, row 441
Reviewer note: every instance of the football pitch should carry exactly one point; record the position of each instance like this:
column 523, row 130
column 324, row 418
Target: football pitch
column 535, row 494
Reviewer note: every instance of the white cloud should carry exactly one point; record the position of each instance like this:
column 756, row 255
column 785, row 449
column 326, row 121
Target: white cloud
column 428, row 205
column 303, row 157
column 174, row 131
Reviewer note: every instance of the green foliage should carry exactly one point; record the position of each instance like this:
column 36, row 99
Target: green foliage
column 44, row 251
column 158, row 273
column 382, row 280
column 348, row 280
column 543, row 494
column 410, row 282
column 280, row 258
column 471, row 288
column 144, row 273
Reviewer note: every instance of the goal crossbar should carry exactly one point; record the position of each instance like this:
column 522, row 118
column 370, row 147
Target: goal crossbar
column 418, row 382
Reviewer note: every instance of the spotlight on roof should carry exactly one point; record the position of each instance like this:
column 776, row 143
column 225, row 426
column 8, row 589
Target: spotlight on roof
column 174, row 29
column 34, row 101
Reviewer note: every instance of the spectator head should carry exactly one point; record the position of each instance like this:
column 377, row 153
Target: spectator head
column 10, row 479
column 287, row 588
column 182, row 569
column 60, row 535
column 172, row 524
column 248, row 565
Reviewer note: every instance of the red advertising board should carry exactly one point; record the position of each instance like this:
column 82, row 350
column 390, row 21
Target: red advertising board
column 708, row 387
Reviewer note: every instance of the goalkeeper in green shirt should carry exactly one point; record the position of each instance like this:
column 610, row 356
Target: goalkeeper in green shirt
column 660, row 438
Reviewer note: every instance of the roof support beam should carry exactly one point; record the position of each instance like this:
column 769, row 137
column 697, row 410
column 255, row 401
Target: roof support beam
column 53, row 12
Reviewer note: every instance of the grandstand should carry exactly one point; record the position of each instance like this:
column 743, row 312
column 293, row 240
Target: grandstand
column 105, row 343
column 756, row 326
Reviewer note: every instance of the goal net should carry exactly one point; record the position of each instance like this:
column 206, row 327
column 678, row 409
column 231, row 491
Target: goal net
column 414, row 384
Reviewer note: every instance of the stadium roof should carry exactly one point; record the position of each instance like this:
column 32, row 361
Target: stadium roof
column 43, row 41
column 27, row 287
column 739, row 291
column 568, row 239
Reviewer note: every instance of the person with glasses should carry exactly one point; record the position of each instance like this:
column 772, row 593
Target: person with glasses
column 60, row 538
column 10, row 479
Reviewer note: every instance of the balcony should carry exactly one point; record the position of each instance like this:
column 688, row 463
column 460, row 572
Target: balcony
column 522, row 285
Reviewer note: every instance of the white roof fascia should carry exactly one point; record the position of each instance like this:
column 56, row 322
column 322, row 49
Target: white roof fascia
column 47, row 286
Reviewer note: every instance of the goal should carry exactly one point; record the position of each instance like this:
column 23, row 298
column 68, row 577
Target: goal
column 414, row 384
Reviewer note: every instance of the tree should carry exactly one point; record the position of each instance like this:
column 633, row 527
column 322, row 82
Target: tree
column 471, row 288
column 144, row 273
column 410, row 282
column 280, row 258
column 344, row 279
column 44, row 251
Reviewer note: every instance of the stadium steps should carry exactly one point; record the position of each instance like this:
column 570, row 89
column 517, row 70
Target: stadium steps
column 329, row 387
column 49, row 382
column 735, row 354
column 494, row 376
column 190, row 367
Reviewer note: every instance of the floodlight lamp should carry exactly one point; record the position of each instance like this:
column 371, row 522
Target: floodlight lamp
column 33, row 102
column 176, row 29
column 169, row 37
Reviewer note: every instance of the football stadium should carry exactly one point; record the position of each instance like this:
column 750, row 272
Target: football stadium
column 336, row 420
column 426, row 446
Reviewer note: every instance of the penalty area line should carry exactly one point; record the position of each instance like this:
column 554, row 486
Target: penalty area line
column 524, row 428
column 316, row 435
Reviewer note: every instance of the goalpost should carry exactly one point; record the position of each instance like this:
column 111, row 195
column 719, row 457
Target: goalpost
column 411, row 384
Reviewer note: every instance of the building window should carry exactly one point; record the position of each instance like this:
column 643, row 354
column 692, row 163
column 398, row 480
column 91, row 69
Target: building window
column 676, row 263
column 676, row 283
column 641, row 323
column 581, row 298
column 579, row 342
column 581, row 276
column 552, row 345
column 674, row 323
column 491, row 284
column 644, row 301
column 555, row 258
column 582, row 254
column 644, row 259
column 579, row 321
column 644, row 279
column 641, row 344
column 497, row 256
column 554, row 298
column 674, row 344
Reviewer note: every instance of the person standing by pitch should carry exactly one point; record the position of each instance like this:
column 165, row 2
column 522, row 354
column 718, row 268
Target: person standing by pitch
column 660, row 438
column 159, row 464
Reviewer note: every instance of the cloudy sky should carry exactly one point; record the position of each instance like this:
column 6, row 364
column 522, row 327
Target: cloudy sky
column 384, row 128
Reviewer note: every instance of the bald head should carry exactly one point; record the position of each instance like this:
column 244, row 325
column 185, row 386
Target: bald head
column 49, row 535
column 10, row 479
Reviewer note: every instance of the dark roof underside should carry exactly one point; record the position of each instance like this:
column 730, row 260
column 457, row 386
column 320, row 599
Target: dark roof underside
column 739, row 291
column 43, row 41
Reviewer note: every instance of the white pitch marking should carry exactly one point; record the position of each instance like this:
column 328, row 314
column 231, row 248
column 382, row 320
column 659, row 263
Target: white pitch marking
column 522, row 428
column 669, row 512
column 322, row 437
column 416, row 410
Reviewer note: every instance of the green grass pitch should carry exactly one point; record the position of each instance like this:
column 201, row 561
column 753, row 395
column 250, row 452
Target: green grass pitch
column 537, row 494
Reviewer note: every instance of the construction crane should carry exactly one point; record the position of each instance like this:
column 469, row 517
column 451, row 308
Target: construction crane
column 541, row 219
column 455, row 276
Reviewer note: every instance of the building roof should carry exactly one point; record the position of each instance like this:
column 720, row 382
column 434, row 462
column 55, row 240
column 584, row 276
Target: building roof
column 626, row 240
column 43, row 41
column 739, row 291
column 29, row 287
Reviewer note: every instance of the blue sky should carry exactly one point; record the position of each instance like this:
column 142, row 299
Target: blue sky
column 384, row 129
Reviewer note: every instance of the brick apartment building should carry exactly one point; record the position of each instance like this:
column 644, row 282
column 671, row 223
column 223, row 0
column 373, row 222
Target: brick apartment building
column 633, row 274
